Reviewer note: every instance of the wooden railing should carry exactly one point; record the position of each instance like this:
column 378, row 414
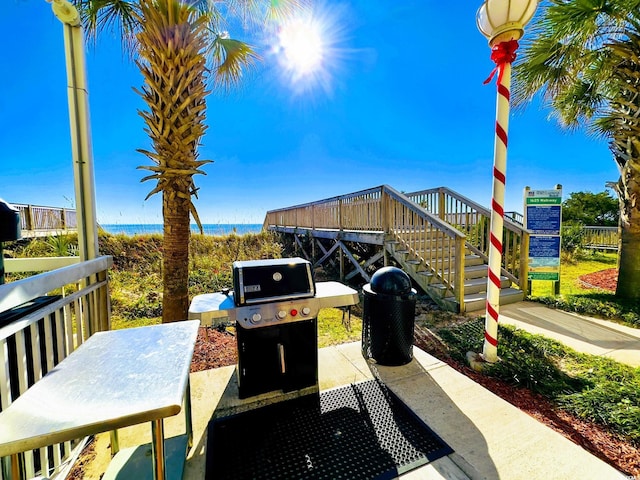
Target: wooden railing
column 473, row 220
column 384, row 209
column 354, row 211
column 75, row 304
column 600, row 238
column 516, row 217
column 37, row 219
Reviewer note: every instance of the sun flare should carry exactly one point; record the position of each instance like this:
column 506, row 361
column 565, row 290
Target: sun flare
column 302, row 46
column 308, row 50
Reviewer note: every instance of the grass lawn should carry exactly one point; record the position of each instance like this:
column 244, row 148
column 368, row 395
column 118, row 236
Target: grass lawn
column 571, row 270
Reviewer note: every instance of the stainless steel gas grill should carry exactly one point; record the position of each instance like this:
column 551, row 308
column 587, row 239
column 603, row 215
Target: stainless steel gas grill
column 274, row 306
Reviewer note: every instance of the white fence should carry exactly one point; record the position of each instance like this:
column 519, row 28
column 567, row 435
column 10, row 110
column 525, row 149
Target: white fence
column 43, row 319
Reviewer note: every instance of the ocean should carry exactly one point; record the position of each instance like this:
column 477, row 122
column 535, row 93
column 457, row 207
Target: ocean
column 132, row 229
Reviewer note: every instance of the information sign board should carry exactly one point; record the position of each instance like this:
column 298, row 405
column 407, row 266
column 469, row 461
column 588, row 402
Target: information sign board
column 544, row 257
column 543, row 218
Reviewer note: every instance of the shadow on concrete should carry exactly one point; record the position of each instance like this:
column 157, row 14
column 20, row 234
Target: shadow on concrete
column 417, row 388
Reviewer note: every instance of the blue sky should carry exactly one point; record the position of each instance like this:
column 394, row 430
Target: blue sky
column 402, row 103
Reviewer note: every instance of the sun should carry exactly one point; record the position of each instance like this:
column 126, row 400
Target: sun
column 302, row 46
column 308, row 49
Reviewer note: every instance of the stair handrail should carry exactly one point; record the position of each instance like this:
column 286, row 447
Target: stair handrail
column 449, row 269
column 405, row 199
column 516, row 241
column 509, row 223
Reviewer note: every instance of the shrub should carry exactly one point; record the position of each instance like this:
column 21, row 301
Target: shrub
column 572, row 239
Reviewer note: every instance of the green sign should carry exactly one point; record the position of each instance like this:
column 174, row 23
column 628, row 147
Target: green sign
column 544, row 201
column 555, row 276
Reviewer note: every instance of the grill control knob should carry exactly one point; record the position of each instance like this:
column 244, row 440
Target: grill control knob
column 282, row 314
column 306, row 311
column 256, row 317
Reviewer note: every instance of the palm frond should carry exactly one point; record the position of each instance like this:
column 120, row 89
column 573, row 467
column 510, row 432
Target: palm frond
column 231, row 57
column 119, row 17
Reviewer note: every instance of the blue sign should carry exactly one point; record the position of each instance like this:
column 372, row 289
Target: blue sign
column 544, row 220
column 541, row 246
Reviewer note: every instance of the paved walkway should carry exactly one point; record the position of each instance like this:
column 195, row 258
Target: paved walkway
column 491, row 438
column 584, row 334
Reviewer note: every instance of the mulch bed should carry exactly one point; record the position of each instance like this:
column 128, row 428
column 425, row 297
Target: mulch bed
column 214, row 348
column 604, row 280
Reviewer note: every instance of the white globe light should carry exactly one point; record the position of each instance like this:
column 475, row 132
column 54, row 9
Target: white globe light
column 496, row 17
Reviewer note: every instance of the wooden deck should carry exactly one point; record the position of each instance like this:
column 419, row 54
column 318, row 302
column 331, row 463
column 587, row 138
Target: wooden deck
column 439, row 237
column 39, row 221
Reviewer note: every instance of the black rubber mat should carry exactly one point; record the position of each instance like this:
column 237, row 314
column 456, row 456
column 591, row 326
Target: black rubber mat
column 361, row 431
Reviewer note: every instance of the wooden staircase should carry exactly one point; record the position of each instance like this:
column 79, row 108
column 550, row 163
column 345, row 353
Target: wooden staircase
column 475, row 278
column 439, row 237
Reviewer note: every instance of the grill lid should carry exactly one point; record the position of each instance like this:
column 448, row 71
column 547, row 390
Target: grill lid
column 260, row 281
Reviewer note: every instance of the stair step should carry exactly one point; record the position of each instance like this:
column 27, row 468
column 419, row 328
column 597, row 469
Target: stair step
column 470, row 260
column 474, row 271
column 478, row 301
column 476, row 285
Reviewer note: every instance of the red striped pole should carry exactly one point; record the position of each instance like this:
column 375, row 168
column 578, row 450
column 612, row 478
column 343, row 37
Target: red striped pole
column 503, row 55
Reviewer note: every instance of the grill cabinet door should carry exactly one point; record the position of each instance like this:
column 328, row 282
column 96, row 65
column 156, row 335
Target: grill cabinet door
column 278, row 357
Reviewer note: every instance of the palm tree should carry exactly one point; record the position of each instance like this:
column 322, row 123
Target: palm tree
column 177, row 45
column 584, row 58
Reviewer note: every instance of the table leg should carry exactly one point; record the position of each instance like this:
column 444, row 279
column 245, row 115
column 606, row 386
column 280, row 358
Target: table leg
column 16, row 467
column 187, row 414
column 157, row 449
column 115, row 443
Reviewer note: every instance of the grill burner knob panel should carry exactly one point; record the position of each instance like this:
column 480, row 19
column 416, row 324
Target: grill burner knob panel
column 276, row 313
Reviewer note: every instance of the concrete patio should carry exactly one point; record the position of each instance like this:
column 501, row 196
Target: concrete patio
column 491, row 439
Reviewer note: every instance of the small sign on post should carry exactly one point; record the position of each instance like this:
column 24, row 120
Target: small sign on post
column 543, row 218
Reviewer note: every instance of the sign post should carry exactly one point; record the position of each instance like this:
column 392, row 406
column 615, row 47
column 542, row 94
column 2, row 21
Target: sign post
column 543, row 218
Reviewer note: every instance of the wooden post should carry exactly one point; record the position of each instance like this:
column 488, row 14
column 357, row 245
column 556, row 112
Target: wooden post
column 30, row 225
column 525, row 284
column 459, row 280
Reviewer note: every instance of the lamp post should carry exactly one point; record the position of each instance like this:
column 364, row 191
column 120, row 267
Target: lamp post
column 502, row 22
column 81, row 149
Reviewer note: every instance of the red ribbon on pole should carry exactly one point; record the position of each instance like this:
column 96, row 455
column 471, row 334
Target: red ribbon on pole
column 504, row 52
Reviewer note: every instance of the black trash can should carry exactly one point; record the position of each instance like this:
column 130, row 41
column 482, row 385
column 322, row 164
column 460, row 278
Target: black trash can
column 388, row 317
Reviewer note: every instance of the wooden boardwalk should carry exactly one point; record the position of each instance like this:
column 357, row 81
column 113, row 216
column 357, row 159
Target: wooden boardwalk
column 439, row 237
column 38, row 221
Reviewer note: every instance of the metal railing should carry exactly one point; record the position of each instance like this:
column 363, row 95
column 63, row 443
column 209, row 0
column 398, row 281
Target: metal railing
column 75, row 304
column 36, row 219
column 473, row 220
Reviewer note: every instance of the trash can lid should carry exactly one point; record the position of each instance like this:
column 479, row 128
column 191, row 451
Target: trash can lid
column 390, row 281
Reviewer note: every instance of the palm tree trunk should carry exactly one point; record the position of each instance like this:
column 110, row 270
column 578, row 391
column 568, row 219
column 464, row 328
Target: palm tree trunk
column 629, row 273
column 175, row 271
column 172, row 44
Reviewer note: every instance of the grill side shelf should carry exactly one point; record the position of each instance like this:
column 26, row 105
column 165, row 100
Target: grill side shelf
column 215, row 308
